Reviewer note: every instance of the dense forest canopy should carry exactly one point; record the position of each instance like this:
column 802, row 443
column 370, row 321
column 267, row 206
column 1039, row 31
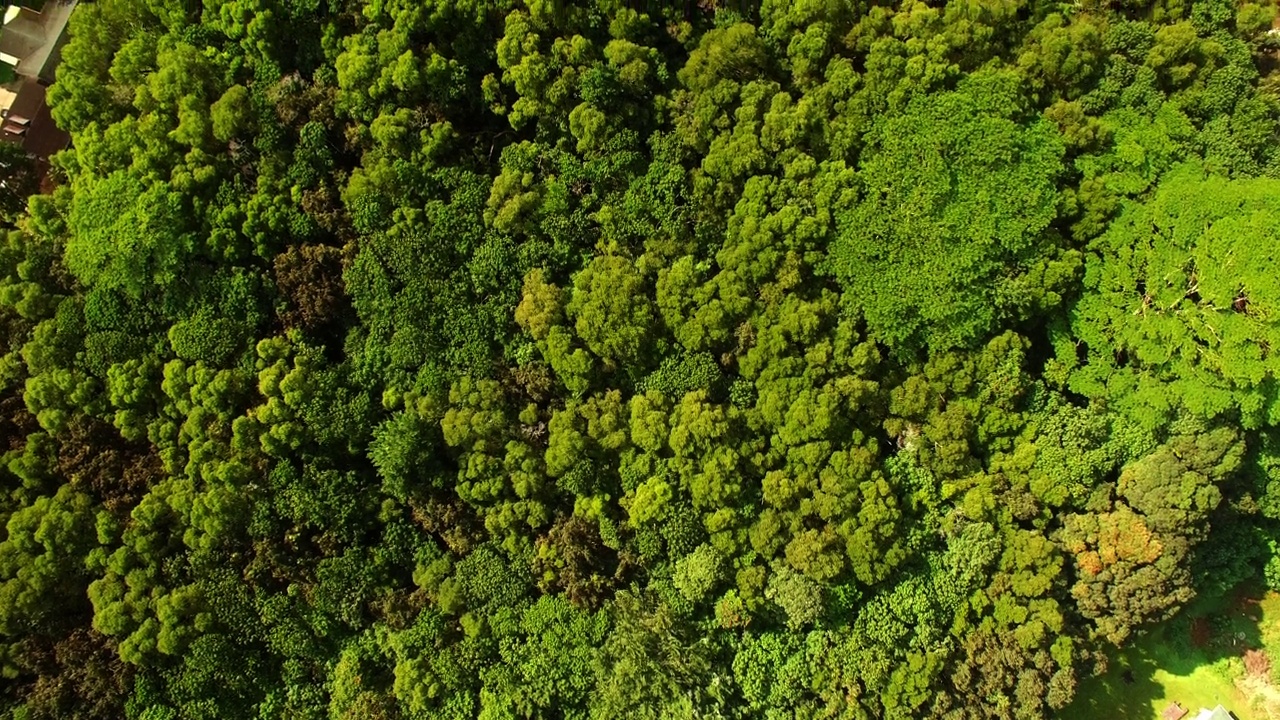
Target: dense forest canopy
column 548, row 359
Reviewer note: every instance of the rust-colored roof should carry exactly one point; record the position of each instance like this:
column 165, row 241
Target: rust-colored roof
column 45, row 137
column 29, row 124
column 1173, row 712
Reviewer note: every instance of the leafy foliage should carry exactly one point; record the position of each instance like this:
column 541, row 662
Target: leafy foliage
column 513, row 358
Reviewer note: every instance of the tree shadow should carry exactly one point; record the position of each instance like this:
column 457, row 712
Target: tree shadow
column 1126, row 690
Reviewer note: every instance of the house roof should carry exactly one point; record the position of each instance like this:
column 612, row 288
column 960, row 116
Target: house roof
column 1218, row 713
column 36, row 37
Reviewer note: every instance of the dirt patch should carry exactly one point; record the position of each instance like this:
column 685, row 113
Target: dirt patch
column 1257, row 663
column 1201, row 632
column 1262, row 696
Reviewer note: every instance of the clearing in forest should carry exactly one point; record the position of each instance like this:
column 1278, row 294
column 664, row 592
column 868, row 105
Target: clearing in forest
column 1221, row 651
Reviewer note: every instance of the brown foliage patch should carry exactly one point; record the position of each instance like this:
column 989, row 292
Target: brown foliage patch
column 573, row 559
column 81, row 677
column 16, row 423
column 533, row 381
column 310, row 279
column 92, row 456
column 455, row 523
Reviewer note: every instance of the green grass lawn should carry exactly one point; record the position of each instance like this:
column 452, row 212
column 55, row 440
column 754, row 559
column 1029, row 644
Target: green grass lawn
column 1168, row 665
